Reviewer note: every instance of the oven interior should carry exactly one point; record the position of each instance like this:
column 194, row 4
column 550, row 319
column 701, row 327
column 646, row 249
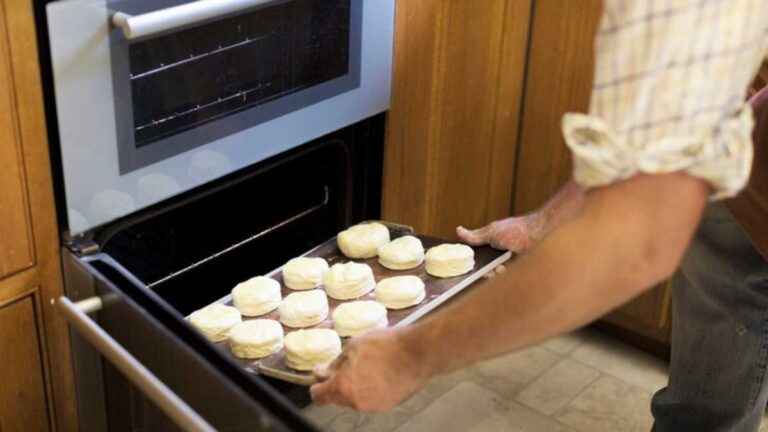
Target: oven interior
column 195, row 250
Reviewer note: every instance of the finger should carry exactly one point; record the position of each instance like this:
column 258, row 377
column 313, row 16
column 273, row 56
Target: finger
column 323, row 393
column 323, row 372
column 478, row 237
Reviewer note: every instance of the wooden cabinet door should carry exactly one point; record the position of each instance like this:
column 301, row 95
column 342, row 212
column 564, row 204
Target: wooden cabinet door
column 23, row 392
column 16, row 251
column 452, row 126
column 36, row 385
column 559, row 80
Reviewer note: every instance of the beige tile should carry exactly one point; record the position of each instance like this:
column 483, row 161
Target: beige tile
column 471, row 408
column 385, row 422
column 566, row 343
column 622, row 361
column 609, row 405
column 557, row 386
column 507, row 375
column 347, row 421
column 322, row 415
column 517, row 418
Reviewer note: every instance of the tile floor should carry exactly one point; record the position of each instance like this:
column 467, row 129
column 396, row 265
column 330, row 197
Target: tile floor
column 581, row 382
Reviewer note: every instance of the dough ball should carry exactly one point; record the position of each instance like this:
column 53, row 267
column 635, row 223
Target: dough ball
column 305, row 349
column 304, row 309
column 402, row 253
column 449, row 260
column 257, row 296
column 400, row 292
column 349, row 281
column 304, row 273
column 214, row 321
column 254, row 339
column 364, row 240
column 357, row 317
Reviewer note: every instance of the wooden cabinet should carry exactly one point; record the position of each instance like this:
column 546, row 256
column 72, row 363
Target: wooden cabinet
column 471, row 79
column 23, row 395
column 559, row 80
column 37, row 391
column 452, row 132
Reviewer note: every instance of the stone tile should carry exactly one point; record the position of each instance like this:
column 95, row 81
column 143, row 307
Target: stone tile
column 609, row 405
column 322, row 415
column 347, row 421
column 518, row 418
column 507, row 375
column 615, row 358
column 558, row 386
column 385, row 422
column 471, row 408
column 566, row 343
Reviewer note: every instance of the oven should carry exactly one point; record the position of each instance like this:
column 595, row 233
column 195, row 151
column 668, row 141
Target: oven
column 195, row 145
column 157, row 97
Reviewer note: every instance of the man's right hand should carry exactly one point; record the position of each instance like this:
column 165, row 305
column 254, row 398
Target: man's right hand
column 516, row 234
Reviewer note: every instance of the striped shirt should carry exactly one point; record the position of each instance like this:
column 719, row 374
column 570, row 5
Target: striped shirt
column 671, row 81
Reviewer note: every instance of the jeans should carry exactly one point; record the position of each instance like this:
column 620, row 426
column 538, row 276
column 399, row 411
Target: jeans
column 719, row 362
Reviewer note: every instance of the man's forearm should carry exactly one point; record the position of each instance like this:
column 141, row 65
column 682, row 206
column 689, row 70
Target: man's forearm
column 602, row 258
column 562, row 207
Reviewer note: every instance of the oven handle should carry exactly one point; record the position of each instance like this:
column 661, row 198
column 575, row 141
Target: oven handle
column 168, row 401
column 152, row 23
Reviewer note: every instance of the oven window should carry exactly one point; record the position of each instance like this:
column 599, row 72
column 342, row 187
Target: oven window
column 182, row 80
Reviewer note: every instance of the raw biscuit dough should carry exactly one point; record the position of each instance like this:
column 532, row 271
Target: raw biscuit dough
column 357, row 317
column 400, row 292
column 304, row 273
column 304, row 309
column 402, row 253
column 214, row 321
column 449, row 260
column 257, row 296
column 349, row 281
column 305, row 349
column 255, row 339
column 363, row 240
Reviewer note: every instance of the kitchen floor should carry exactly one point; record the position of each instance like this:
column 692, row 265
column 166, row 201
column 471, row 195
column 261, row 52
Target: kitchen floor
column 581, row 382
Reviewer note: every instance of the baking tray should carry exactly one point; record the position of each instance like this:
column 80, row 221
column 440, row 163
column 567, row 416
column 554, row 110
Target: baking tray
column 438, row 290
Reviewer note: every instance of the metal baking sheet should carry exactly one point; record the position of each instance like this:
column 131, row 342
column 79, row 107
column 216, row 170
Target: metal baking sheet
column 438, row 290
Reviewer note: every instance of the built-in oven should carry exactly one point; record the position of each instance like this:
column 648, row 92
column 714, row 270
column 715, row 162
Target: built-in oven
column 156, row 97
column 197, row 144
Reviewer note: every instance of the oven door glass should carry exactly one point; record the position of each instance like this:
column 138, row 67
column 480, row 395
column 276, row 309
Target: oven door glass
column 183, row 89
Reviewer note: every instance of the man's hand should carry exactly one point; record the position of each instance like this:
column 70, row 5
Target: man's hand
column 516, row 234
column 374, row 373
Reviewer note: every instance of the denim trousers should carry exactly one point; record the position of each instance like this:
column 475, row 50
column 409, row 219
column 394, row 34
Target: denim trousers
column 717, row 380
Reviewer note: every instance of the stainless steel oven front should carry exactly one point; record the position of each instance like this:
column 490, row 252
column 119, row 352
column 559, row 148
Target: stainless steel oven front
column 156, row 97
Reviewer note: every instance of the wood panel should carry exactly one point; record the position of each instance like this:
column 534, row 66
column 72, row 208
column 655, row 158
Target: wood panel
column 451, row 143
column 559, row 80
column 16, row 251
column 19, row 53
column 22, row 394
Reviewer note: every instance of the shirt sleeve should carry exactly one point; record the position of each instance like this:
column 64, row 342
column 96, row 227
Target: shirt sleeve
column 671, row 79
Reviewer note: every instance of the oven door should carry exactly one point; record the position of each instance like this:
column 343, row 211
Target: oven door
column 129, row 289
column 156, row 97
column 160, row 374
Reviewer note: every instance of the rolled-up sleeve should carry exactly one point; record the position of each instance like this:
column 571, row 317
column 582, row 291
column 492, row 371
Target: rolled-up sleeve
column 671, row 79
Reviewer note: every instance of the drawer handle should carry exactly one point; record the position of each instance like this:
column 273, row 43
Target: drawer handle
column 152, row 23
column 170, row 403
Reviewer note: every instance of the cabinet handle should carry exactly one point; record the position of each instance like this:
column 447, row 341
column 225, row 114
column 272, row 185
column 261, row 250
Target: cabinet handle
column 168, row 401
column 162, row 20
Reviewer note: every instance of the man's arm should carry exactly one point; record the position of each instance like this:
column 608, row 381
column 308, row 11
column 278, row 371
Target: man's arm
column 628, row 236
